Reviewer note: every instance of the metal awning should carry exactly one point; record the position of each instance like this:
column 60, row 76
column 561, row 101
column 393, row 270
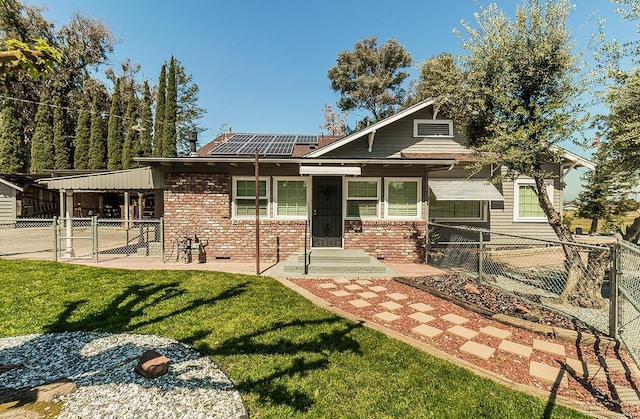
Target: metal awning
column 330, row 170
column 133, row 179
column 464, row 190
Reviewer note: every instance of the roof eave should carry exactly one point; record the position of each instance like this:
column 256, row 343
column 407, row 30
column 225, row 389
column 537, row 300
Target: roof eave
column 373, row 127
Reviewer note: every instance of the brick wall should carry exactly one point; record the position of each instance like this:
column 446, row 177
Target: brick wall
column 401, row 241
column 201, row 203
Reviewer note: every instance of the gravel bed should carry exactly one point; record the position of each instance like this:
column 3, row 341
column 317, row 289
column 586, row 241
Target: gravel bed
column 496, row 301
column 101, row 365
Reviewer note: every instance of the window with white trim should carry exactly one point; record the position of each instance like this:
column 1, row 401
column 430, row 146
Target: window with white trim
column 403, row 197
column 244, row 197
column 526, row 206
column 456, row 210
column 362, row 198
column 432, row 128
column 290, row 199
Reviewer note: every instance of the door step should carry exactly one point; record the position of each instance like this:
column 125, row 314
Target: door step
column 337, row 262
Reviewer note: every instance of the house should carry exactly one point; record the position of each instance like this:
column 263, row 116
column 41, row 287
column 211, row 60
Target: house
column 371, row 190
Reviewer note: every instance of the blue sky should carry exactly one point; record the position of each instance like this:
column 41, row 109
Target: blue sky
column 262, row 65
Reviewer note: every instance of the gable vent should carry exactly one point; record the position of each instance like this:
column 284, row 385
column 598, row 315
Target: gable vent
column 432, row 128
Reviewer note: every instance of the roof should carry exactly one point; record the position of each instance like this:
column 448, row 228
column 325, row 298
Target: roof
column 243, row 145
column 11, row 185
column 372, row 128
column 133, row 179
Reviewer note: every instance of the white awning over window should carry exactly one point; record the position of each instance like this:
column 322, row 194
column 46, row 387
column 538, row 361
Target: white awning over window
column 464, row 190
column 330, row 170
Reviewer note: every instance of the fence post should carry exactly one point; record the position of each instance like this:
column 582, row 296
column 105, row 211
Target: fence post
column 480, row 257
column 54, row 223
column 614, row 273
column 94, row 235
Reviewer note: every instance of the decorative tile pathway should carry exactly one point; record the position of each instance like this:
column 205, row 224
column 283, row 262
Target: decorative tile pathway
column 547, row 361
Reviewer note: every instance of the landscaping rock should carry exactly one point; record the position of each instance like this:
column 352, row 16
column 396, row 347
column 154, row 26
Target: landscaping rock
column 152, row 364
column 533, row 316
column 51, row 391
column 471, row 289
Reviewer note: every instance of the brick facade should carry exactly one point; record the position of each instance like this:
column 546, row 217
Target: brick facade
column 200, row 203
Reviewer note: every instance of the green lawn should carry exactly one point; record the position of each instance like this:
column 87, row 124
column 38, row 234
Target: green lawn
column 287, row 357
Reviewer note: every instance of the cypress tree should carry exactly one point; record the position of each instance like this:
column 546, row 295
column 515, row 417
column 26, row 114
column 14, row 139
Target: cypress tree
column 114, row 136
column 144, row 142
column 81, row 153
column 158, row 128
column 42, row 150
column 60, row 142
column 130, row 139
column 13, row 153
column 169, row 135
column 97, row 140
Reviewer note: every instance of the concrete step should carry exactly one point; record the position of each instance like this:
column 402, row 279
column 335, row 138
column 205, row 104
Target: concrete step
column 334, row 268
column 335, row 261
column 336, row 255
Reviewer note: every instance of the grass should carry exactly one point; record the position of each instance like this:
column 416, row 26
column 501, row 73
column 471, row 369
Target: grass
column 585, row 223
column 287, row 357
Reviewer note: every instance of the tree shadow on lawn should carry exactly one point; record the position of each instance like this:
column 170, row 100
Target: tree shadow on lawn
column 133, row 303
column 267, row 385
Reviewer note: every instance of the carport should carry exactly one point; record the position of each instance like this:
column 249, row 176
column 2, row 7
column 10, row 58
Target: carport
column 141, row 191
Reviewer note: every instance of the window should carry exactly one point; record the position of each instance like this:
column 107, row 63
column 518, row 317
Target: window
column 363, row 196
column 291, row 197
column 244, row 195
column 432, row 128
column 403, row 197
column 456, row 210
column 525, row 201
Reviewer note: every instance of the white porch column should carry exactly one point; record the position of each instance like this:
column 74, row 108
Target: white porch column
column 68, row 213
column 62, row 203
column 126, row 208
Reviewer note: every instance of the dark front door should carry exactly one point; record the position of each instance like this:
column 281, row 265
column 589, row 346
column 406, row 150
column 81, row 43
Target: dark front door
column 326, row 222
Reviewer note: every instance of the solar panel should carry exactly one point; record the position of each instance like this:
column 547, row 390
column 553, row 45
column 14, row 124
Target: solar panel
column 228, row 148
column 266, row 144
column 279, row 149
column 307, row 139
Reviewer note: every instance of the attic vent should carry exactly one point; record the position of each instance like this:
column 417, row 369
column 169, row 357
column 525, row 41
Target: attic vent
column 432, row 127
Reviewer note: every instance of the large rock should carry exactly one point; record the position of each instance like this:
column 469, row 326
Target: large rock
column 152, row 364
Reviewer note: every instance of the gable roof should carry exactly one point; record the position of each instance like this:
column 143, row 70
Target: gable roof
column 11, row 185
column 574, row 159
column 371, row 128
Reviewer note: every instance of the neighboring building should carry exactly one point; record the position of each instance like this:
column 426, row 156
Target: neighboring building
column 371, row 190
column 22, row 197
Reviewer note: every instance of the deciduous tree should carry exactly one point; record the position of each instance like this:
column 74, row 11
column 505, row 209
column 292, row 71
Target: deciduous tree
column 519, row 97
column 371, row 77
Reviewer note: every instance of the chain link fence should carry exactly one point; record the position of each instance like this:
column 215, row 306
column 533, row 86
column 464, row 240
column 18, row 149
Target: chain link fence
column 627, row 280
column 556, row 275
column 90, row 238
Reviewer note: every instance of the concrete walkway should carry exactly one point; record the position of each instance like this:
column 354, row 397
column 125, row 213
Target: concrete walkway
column 588, row 373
